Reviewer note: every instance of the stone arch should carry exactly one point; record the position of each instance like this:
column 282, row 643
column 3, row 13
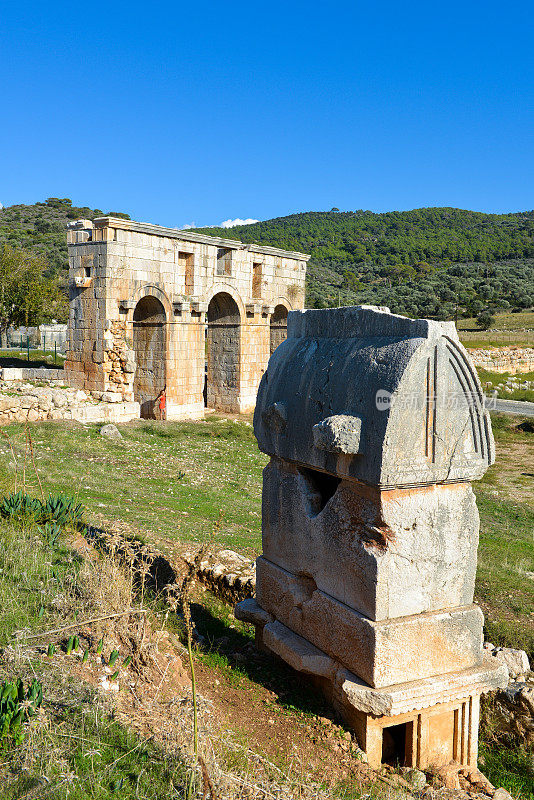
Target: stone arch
column 278, row 324
column 227, row 288
column 150, row 290
column 223, row 352
column 150, row 346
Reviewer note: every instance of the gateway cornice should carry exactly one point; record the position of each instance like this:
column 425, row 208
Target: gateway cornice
column 189, row 236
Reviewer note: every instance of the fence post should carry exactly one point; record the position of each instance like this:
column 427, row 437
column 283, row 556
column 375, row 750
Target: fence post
column 28, row 346
column 55, row 352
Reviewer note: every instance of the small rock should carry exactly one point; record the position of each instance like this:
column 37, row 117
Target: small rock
column 516, row 661
column 111, row 397
column 416, row 778
column 111, row 432
column 59, row 399
column 502, row 794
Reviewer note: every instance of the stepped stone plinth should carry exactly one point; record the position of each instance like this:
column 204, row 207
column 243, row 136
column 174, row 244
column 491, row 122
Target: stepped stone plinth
column 375, row 426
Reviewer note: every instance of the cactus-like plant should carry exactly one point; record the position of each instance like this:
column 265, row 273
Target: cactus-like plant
column 17, row 706
column 62, row 510
column 18, row 505
column 51, row 533
column 113, row 657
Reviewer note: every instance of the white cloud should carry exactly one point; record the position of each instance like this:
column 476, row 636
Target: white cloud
column 231, row 223
column 188, row 226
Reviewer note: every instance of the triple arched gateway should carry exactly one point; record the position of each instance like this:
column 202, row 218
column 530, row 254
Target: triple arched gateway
column 154, row 307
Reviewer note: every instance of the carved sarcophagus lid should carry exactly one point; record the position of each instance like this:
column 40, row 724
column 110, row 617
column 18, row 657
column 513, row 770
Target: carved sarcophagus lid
column 365, row 394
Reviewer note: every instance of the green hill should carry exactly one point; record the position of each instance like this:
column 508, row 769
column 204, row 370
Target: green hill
column 42, row 228
column 436, row 262
column 427, row 262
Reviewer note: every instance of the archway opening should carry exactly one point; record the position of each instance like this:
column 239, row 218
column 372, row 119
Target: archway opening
column 149, row 345
column 278, row 326
column 223, row 353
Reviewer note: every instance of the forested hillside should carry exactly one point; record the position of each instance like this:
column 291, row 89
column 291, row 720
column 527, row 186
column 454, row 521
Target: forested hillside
column 427, row 262
column 437, row 262
column 42, row 228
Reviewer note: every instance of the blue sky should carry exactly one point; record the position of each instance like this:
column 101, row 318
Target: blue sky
column 197, row 113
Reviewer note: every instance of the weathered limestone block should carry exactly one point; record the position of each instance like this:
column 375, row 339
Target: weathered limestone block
column 428, row 535
column 249, row 611
column 297, row 652
column 338, row 434
column 382, row 653
column 515, row 661
column 422, row 693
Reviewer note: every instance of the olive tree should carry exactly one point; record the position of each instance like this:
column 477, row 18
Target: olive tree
column 26, row 296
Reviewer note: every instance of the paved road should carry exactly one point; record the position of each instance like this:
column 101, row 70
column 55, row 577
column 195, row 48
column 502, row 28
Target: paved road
column 511, row 407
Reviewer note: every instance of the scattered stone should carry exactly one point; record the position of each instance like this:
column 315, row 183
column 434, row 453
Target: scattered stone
column 28, row 402
column 415, row 778
column 228, row 574
column 112, row 397
column 514, row 708
column 111, row 431
column 515, row 661
column 59, row 398
column 504, row 359
column 502, row 794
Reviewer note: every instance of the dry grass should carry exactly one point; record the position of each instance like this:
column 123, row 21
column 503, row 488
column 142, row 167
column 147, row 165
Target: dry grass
column 137, row 741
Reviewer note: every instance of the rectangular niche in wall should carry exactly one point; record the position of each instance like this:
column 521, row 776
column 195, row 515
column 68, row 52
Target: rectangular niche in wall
column 256, row 279
column 224, row 261
column 186, row 261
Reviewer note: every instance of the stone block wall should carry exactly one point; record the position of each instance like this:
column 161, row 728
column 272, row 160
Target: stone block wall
column 115, row 264
column 514, row 360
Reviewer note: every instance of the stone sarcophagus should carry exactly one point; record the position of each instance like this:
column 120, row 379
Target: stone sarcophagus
column 375, row 426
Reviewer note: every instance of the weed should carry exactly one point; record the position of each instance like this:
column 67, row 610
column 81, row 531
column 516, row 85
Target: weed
column 512, row 767
column 17, row 706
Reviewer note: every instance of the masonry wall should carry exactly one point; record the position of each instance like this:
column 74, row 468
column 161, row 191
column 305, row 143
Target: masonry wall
column 515, row 360
column 114, row 264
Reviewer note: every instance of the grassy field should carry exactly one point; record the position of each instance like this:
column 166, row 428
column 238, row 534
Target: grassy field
column 170, row 481
column 523, row 320
column 497, row 378
column 73, row 748
column 38, row 358
column 508, row 329
column 170, row 484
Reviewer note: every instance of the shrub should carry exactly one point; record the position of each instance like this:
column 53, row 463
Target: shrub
column 485, row 319
column 61, row 510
